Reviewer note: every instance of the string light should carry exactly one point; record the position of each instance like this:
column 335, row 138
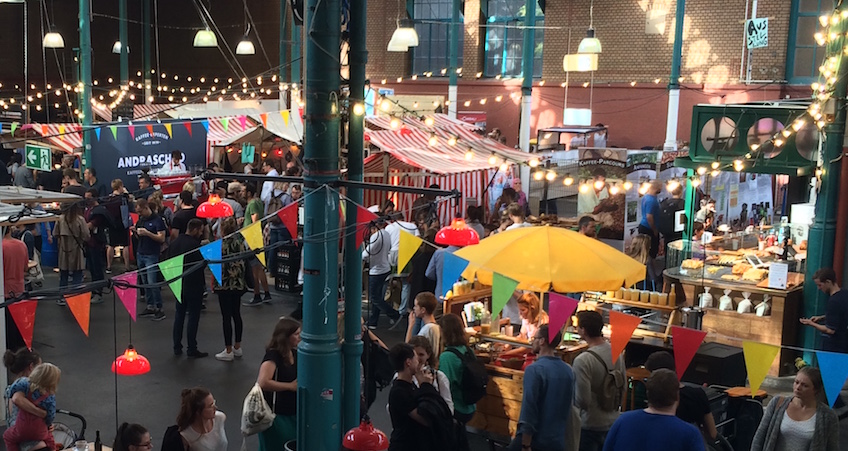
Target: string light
column 538, row 176
column 627, row 185
column 568, row 180
column 452, row 140
column 614, row 189
column 493, row 159
column 715, row 165
column 433, row 140
column 584, row 188
column 504, row 166
column 469, row 154
column 672, row 185
column 533, row 162
column 738, row 165
column 696, row 182
column 714, row 173
column 550, row 176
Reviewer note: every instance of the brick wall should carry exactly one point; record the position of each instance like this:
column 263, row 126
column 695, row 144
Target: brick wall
column 382, row 22
column 475, row 38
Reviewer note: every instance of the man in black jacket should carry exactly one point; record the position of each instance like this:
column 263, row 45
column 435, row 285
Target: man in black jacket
column 193, row 287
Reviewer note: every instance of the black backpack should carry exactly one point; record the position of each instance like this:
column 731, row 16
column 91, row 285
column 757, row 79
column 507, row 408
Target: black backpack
column 172, row 440
column 668, row 208
column 474, row 376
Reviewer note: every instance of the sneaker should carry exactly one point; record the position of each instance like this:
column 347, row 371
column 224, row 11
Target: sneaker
column 159, row 315
column 61, row 302
column 178, row 351
column 372, row 327
column 253, row 302
column 225, row 356
column 149, row 311
column 108, row 270
column 96, row 299
column 267, row 298
column 238, row 352
column 196, row 354
column 203, row 306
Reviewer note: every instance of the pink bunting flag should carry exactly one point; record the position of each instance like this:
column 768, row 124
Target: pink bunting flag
column 288, row 215
column 128, row 295
column 561, row 308
column 131, row 129
column 243, row 121
column 686, row 344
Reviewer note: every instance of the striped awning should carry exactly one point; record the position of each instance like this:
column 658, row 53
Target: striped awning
column 143, row 111
column 236, row 128
column 440, row 121
column 64, row 136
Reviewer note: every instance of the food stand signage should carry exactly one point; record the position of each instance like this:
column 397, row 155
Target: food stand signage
column 123, row 153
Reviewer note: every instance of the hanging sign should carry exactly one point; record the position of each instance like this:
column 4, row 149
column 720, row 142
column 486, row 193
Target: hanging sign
column 756, row 33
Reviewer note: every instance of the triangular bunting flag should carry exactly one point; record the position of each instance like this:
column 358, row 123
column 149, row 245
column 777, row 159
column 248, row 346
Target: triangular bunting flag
column 686, row 343
column 253, row 237
column 131, row 129
column 23, row 313
column 134, row 217
column 114, row 130
column 285, row 114
column 409, row 244
column 264, row 118
column 61, row 131
column 502, row 289
column 97, row 133
column 169, row 129
column 173, row 269
column 205, row 125
column 758, row 360
column 14, row 127
column 44, row 130
column 288, row 215
column 225, row 122
column 187, row 125
column 621, row 330
column 212, row 251
column 150, row 128
column 363, row 217
column 80, row 306
column 561, row 308
column 451, row 270
column 128, row 295
column 243, row 122
column 834, row 372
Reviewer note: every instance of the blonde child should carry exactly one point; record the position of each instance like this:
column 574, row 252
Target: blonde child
column 40, row 388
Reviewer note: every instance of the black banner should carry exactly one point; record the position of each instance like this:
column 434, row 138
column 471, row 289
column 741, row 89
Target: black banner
column 122, row 152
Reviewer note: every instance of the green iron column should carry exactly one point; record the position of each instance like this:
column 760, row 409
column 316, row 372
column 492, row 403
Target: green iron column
column 453, row 38
column 148, row 79
column 319, row 372
column 823, row 231
column 284, row 63
column 673, row 82
column 125, row 48
column 85, row 77
column 352, row 349
column 527, row 53
column 296, row 47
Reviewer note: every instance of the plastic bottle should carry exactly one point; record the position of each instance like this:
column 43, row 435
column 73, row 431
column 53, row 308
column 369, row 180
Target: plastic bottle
column 98, row 445
column 672, row 296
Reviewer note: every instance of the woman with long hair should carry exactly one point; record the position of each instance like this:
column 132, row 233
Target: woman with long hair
column 800, row 421
column 230, row 290
column 200, row 422
column 20, row 364
column 72, row 233
column 640, row 250
column 132, row 437
column 532, row 315
column 278, row 381
column 426, row 357
column 456, row 345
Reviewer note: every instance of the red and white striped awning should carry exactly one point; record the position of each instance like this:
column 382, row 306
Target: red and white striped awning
column 440, row 121
column 237, row 128
column 67, row 137
column 144, row 111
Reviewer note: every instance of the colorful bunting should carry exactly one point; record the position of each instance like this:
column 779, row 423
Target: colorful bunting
column 264, row 118
column 243, row 122
column 131, row 129
column 834, row 372
column 150, row 128
column 114, row 130
column 173, row 268
column 288, row 215
column 561, row 309
column 134, row 217
column 409, row 244
column 686, row 343
column 212, row 251
column 363, row 217
column 97, row 133
column 758, row 360
column 14, row 127
column 168, row 128
column 285, row 114
column 253, row 237
column 621, row 330
column 225, row 122
column 502, row 289
column 187, row 125
column 205, row 125
column 61, row 132
column 452, row 267
column 45, row 130
column 23, row 313
column 80, row 306
column 128, row 295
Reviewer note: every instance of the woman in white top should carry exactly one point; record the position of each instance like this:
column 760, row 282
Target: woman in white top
column 201, row 424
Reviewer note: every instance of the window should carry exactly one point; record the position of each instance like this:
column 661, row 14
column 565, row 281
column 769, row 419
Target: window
column 505, row 39
column 804, row 55
column 432, row 22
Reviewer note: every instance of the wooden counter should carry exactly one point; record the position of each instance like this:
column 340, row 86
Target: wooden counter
column 731, row 328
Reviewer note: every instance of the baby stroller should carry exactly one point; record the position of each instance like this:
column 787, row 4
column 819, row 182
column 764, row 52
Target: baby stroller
column 64, row 433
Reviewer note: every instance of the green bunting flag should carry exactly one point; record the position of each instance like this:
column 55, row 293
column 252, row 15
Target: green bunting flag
column 173, row 268
column 114, row 130
column 14, row 127
column 502, row 289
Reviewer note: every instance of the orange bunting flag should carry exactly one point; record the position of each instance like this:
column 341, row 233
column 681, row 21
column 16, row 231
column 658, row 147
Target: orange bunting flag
column 686, row 344
column 45, row 130
column 80, row 306
column 170, row 131
column 150, row 128
column 23, row 313
column 758, row 360
column 286, row 116
column 264, row 118
column 621, row 330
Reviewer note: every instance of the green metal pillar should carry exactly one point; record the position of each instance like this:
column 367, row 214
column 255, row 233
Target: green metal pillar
column 85, row 77
column 823, row 231
column 352, row 349
column 125, row 48
column 673, row 82
column 528, row 51
column 453, row 63
column 296, row 50
column 319, row 358
column 284, row 63
column 146, row 46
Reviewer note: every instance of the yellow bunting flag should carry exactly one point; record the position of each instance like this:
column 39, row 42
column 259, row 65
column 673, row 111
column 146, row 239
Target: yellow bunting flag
column 62, row 132
column 285, row 114
column 168, row 128
column 80, row 306
column 758, row 360
column 253, row 236
column 409, row 244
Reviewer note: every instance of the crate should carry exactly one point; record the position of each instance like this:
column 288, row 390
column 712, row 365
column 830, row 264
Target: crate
column 287, row 267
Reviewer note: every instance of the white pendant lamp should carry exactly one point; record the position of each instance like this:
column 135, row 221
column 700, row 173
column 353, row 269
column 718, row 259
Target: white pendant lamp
column 116, row 47
column 590, row 44
column 245, row 47
column 205, row 38
column 404, row 37
column 53, row 40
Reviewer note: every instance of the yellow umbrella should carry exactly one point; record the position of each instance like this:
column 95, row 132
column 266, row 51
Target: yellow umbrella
column 541, row 258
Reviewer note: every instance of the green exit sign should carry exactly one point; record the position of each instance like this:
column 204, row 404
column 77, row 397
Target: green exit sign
column 36, row 157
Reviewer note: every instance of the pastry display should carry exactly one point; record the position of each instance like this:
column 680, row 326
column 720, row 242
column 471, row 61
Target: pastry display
column 692, row 264
column 727, row 260
column 755, row 274
column 713, row 270
column 730, row 277
column 741, row 268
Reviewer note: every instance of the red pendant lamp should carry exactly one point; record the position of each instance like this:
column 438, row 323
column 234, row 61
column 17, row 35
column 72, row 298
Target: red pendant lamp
column 214, row 208
column 457, row 234
column 131, row 363
column 365, row 438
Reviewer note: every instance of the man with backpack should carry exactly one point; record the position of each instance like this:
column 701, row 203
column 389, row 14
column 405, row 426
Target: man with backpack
column 668, row 211
column 546, row 405
column 600, row 383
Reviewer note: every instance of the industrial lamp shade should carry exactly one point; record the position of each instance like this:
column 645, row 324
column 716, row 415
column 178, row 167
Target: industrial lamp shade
column 53, row 40
column 214, row 208
column 116, row 47
column 365, row 438
column 245, row 47
column 131, row 363
column 457, row 234
column 589, row 44
column 205, row 38
column 404, row 37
